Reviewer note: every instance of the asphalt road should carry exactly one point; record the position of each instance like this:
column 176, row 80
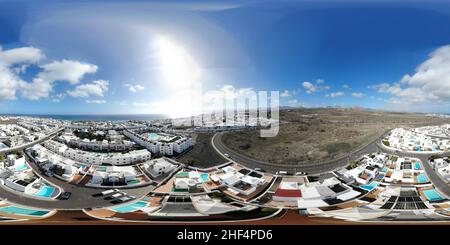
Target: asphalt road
column 222, row 149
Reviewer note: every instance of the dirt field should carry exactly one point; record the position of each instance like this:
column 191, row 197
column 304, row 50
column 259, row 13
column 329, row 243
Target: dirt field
column 203, row 154
column 310, row 135
column 11, row 121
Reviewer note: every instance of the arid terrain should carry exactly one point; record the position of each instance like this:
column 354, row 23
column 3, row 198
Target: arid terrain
column 203, row 154
column 309, row 136
column 8, row 121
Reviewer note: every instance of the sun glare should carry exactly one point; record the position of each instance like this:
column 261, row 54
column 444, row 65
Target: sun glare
column 177, row 66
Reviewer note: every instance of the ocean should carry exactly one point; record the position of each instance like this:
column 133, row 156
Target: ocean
column 100, row 117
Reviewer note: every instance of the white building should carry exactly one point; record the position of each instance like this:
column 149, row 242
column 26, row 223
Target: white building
column 113, row 175
column 165, row 144
column 237, row 182
column 158, row 167
column 98, row 158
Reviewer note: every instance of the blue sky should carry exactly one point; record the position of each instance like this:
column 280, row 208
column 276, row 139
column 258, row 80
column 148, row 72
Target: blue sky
column 112, row 57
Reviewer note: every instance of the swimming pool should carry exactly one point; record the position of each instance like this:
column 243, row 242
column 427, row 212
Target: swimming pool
column 133, row 181
column 370, row 186
column 153, row 136
column 23, row 211
column 433, row 195
column 183, row 174
column 45, row 191
column 204, row 177
column 385, row 169
column 422, row 178
column 21, row 167
column 130, row 207
column 418, row 166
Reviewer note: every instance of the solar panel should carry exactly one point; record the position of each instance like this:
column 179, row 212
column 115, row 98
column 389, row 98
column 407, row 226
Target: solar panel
column 387, row 205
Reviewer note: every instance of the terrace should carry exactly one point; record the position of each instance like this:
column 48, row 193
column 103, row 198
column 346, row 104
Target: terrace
column 207, row 205
column 240, row 183
column 117, row 176
column 325, row 193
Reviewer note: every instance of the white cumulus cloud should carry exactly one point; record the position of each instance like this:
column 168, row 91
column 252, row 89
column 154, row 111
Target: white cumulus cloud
column 12, row 62
column 336, row 94
column 134, row 88
column 430, row 82
column 96, row 88
column 95, row 101
column 311, row 88
column 358, row 94
column 20, row 56
column 66, row 70
column 285, row 94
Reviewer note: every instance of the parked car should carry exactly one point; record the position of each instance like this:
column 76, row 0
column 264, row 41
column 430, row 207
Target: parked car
column 115, row 196
column 259, row 169
column 282, row 173
column 106, row 193
column 109, row 192
column 301, row 173
column 65, row 195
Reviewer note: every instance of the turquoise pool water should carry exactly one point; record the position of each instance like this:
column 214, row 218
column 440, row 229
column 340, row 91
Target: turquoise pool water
column 370, row 186
column 130, row 207
column 422, row 178
column 385, row 169
column 153, row 136
column 433, row 195
column 45, row 191
column 418, row 166
column 23, row 211
column 204, row 177
column 21, row 167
